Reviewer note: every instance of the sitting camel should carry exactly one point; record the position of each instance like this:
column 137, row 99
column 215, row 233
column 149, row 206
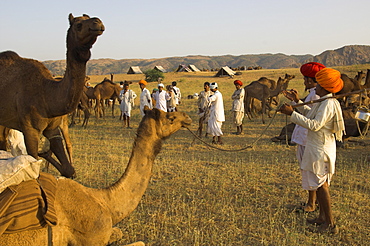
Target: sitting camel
column 87, row 216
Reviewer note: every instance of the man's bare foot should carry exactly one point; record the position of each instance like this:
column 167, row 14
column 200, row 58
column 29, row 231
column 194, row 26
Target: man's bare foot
column 316, row 221
column 309, row 208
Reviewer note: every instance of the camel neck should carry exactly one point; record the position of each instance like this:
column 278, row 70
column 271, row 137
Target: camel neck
column 126, row 193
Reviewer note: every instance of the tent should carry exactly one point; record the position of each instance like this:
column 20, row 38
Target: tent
column 194, row 68
column 160, row 68
column 183, row 68
column 134, row 70
column 225, row 71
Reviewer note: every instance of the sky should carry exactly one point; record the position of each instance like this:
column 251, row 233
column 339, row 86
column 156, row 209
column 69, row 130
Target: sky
column 145, row 29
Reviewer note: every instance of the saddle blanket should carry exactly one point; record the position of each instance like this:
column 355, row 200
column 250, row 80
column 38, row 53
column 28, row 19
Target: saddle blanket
column 29, row 205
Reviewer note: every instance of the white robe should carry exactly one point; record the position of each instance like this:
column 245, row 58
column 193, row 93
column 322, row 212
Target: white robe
column 299, row 134
column 216, row 114
column 145, row 100
column 322, row 120
column 127, row 101
column 161, row 100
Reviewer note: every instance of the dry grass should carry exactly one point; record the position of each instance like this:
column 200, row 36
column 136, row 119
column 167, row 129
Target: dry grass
column 201, row 196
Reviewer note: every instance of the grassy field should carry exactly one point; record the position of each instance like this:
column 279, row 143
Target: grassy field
column 202, row 196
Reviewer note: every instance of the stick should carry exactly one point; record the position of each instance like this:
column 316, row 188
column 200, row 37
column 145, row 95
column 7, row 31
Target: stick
column 323, row 99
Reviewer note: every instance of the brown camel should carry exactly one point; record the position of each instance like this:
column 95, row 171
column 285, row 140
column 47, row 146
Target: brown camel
column 367, row 79
column 33, row 102
column 87, row 216
column 82, row 106
column 261, row 92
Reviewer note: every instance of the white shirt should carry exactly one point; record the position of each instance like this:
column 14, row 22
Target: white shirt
column 177, row 94
column 161, row 100
column 299, row 134
column 217, row 107
column 127, row 100
column 238, row 97
column 145, row 100
column 322, row 120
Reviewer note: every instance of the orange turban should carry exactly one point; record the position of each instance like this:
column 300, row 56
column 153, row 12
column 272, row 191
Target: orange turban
column 238, row 82
column 310, row 69
column 143, row 82
column 330, row 80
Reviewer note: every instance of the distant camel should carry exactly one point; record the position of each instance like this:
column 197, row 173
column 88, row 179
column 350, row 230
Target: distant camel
column 88, row 216
column 102, row 91
column 261, row 92
column 82, row 106
column 33, row 102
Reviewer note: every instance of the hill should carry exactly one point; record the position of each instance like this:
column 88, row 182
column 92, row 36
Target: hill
column 347, row 55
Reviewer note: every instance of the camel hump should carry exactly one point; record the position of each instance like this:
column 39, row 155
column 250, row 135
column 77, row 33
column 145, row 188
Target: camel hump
column 7, row 57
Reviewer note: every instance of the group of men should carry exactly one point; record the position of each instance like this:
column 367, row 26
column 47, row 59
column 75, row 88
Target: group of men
column 318, row 126
column 166, row 100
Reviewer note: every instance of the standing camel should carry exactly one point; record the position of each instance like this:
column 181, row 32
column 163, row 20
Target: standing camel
column 87, row 216
column 263, row 93
column 102, row 91
column 33, row 102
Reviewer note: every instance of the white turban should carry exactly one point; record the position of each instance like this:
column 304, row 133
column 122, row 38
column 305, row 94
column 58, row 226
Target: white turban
column 161, row 85
column 213, row 85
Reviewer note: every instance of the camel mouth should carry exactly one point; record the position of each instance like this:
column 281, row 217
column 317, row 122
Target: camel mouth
column 187, row 122
column 97, row 31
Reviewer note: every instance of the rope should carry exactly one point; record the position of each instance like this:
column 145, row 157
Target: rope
column 235, row 150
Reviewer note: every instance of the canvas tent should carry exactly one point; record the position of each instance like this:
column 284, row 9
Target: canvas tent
column 225, row 71
column 183, row 68
column 160, row 68
column 194, row 68
column 134, row 70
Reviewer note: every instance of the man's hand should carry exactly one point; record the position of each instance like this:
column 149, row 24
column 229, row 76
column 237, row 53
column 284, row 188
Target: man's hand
column 291, row 95
column 286, row 109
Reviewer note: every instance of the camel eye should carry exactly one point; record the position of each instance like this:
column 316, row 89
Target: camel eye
column 79, row 26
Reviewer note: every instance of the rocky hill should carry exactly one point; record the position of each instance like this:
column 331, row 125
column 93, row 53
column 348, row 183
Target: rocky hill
column 347, row 55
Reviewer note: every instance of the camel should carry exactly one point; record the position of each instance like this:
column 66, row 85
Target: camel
column 261, row 92
column 367, row 80
column 87, row 216
column 84, row 106
column 102, row 91
column 33, row 102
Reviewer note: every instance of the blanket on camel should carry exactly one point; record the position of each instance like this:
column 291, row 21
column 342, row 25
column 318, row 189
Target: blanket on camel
column 29, row 205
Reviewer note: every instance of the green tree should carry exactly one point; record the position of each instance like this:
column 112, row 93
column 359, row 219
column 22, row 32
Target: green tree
column 153, row 75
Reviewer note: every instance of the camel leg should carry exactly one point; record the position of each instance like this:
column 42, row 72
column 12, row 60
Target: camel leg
column 56, row 146
column 86, row 117
column 113, row 102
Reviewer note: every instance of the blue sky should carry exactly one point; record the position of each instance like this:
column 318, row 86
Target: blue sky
column 163, row 28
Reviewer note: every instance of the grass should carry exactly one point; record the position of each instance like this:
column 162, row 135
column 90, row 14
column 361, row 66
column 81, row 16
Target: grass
column 201, row 196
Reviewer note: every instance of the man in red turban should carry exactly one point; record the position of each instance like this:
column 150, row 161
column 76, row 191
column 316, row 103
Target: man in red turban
column 299, row 134
column 238, row 106
column 325, row 125
column 238, row 82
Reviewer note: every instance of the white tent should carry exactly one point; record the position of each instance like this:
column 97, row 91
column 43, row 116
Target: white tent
column 134, row 70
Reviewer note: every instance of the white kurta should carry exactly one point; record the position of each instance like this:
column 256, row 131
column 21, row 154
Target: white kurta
column 145, row 100
column 322, row 120
column 161, row 100
column 216, row 114
column 203, row 100
column 299, row 134
column 127, row 101
column 177, row 94
column 238, row 100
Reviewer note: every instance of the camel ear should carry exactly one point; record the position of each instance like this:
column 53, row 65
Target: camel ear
column 71, row 19
column 86, row 15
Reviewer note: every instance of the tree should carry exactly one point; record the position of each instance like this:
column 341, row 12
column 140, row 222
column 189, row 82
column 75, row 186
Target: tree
column 153, row 75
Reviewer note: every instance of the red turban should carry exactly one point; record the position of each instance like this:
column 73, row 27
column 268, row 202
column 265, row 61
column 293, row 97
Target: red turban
column 238, row 82
column 330, row 80
column 310, row 69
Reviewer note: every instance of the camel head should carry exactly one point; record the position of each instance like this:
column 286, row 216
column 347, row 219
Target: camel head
column 162, row 124
column 82, row 33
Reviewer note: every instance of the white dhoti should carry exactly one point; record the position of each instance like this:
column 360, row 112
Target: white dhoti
column 214, row 128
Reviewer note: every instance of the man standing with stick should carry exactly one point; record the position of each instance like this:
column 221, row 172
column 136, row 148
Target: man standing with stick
column 325, row 124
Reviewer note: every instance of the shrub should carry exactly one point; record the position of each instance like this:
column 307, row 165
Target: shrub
column 153, row 75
